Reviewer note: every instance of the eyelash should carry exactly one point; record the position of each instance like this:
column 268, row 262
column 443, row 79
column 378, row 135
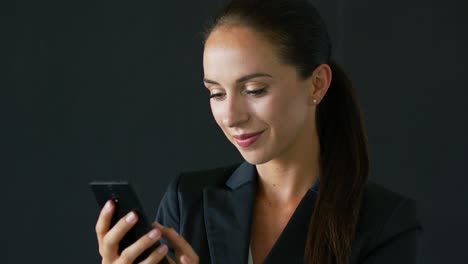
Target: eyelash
column 256, row 92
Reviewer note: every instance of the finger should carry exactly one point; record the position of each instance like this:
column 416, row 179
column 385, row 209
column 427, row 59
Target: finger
column 110, row 242
column 157, row 255
column 185, row 260
column 103, row 222
column 177, row 241
column 130, row 253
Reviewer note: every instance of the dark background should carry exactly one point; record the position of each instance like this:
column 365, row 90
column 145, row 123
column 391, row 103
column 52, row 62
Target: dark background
column 113, row 90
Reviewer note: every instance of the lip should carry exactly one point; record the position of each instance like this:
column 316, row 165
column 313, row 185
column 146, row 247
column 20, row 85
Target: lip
column 245, row 140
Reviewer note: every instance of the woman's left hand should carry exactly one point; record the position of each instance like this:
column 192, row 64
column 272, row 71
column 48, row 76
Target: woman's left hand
column 184, row 253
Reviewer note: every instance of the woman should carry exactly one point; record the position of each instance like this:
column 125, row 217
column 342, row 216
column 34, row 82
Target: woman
column 302, row 194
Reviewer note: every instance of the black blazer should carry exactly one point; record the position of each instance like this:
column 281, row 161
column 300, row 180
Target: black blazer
column 212, row 210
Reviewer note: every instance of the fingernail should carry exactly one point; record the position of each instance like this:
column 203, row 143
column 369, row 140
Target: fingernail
column 162, row 249
column 184, row 259
column 154, row 234
column 131, row 217
column 108, row 206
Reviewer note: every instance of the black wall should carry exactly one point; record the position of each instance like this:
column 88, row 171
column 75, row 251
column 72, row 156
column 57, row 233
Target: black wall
column 94, row 90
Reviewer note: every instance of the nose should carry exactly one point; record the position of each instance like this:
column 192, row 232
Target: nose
column 235, row 111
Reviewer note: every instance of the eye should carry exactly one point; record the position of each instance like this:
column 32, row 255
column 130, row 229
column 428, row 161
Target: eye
column 216, row 95
column 256, row 92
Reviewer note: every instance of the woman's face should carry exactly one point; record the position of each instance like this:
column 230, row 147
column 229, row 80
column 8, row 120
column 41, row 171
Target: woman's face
column 253, row 92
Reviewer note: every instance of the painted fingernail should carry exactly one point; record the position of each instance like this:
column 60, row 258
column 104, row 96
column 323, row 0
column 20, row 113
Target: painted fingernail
column 108, row 206
column 131, row 217
column 154, row 234
column 162, row 249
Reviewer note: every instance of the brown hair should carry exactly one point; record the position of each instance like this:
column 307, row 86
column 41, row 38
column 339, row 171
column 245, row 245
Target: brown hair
column 296, row 28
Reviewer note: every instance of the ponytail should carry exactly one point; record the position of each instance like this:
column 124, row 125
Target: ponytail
column 344, row 168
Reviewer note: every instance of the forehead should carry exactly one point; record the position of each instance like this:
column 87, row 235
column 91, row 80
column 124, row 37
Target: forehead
column 237, row 50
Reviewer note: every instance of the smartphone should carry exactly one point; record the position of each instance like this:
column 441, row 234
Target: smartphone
column 125, row 200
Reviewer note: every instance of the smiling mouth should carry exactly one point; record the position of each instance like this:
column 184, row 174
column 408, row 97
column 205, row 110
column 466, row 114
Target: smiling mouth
column 245, row 140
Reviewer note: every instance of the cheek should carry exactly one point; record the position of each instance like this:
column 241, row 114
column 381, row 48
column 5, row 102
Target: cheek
column 287, row 114
column 217, row 114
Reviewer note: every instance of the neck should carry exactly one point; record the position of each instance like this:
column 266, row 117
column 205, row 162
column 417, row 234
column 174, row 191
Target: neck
column 286, row 179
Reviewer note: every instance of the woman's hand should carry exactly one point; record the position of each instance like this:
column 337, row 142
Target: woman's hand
column 184, row 253
column 108, row 241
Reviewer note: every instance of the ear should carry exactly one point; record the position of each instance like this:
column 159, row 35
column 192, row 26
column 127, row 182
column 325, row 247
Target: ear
column 319, row 83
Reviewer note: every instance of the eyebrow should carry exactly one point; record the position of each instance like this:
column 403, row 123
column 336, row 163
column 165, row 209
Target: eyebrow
column 243, row 78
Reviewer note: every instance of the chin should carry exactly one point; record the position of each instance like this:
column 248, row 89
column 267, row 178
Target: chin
column 254, row 158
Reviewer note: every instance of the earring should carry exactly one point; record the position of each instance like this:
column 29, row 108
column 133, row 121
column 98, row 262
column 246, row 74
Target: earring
column 314, row 101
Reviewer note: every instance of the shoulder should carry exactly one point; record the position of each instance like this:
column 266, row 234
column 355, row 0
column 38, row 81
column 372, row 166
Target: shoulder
column 381, row 204
column 197, row 180
column 187, row 188
column 185, row 191
column 386, row 217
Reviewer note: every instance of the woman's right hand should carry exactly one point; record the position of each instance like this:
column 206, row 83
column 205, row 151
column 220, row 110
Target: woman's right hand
column 108, row 239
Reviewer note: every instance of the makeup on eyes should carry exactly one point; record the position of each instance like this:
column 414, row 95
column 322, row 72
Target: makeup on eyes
column 254, row 92
column 258, row 91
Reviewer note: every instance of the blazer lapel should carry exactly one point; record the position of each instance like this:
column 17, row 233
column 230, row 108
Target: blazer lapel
column 289, row 248
column 228, row 213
